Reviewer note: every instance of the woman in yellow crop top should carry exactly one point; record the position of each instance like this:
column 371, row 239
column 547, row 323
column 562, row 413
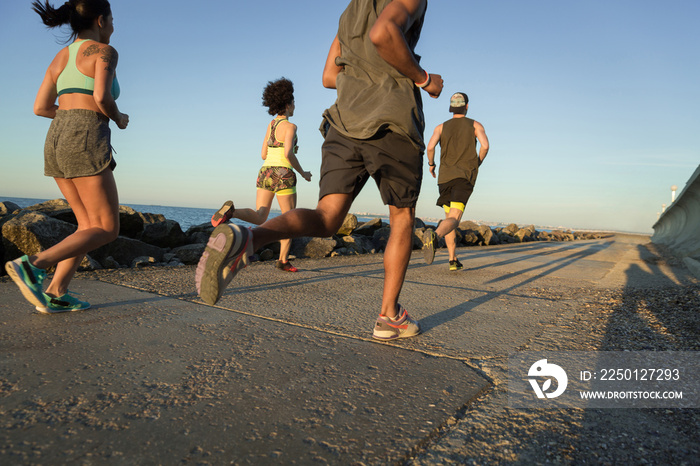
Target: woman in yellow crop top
column 276, row 177
column 77, row 153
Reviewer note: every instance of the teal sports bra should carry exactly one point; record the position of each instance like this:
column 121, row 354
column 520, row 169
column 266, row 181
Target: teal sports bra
column 71, row 80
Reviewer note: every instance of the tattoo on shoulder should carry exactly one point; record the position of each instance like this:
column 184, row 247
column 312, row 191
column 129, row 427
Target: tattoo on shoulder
column 91, row 50
column 108, row 55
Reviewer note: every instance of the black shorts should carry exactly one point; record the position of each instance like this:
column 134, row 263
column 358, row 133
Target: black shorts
column 457, row 190
column 391, row 159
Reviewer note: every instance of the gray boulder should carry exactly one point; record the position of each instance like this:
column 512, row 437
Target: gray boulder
column 315, row 248
column 348, row 226
column 124, row 250
column 7, row 208
column 368, row 228
column 132, row 223
column 143, row 261
column 199, row 233
column 469, row 225
column 471, row 237
column 165, row 234
column 30, row 232
column 505, row 238
column 110, row 263
column 511, row 229
column 487, row 234
column 56, row 208
column 190, row 253
column 380, row 238
column 556, row 235
column 358, row 244
column 342, row 252
column 88, row 263
column 526, row 235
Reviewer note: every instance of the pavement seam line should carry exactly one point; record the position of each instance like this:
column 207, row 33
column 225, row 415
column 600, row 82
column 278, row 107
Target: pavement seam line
column 467, row 361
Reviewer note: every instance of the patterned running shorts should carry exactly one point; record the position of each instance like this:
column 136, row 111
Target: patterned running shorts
column 280, row 180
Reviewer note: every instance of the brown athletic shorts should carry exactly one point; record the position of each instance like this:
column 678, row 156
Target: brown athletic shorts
column 78, row 144
column 395, row 164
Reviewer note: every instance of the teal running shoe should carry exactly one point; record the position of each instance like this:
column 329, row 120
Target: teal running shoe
column 29, row 280
column 65, row 303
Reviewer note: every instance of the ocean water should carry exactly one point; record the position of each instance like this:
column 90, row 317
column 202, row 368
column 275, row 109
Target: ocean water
column 185, row 216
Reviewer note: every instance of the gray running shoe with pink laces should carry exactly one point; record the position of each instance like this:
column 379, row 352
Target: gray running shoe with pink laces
column 403, row 327
column 228, row 250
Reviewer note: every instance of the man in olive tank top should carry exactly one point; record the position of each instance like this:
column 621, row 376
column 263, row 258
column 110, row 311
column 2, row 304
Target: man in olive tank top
column 373, row 130
column 459, row 167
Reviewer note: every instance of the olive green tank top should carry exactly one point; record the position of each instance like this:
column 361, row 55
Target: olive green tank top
column 458, row 156
column 373, row 96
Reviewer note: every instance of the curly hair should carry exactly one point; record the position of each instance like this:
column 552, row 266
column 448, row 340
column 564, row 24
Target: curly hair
column 277, row 95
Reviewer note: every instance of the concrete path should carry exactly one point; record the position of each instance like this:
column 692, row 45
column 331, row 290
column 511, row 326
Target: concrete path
column 283, row 368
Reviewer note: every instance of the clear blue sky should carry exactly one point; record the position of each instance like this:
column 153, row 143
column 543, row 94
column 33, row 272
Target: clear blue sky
column 591, row 107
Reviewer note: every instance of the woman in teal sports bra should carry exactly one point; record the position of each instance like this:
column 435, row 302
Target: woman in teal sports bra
column 276, row 177
column 77, row 153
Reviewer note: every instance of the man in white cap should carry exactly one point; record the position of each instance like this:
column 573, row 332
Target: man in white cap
column 459, row 166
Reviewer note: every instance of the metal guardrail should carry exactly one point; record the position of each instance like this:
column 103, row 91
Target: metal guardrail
column 678, row 227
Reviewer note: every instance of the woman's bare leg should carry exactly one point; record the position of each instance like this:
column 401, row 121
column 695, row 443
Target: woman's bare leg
column 263, row 202
column 95, row 203
column 286, row 203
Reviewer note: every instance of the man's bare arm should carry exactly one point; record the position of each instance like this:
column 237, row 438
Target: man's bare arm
column 388, row 36
column 483, row 141
column 331, row 70
column 430, row 150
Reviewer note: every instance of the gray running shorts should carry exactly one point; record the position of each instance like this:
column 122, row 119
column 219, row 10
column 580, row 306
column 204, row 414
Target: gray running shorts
column 78, row 144
column 390, row 158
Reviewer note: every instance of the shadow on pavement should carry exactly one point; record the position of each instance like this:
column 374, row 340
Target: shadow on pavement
column 529, row 276
column 656, row 311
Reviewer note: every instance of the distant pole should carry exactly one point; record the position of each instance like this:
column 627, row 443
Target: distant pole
column 663, row 208
column 674, row 188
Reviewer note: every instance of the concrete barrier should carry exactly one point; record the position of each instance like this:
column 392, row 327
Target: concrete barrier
column 678, row 227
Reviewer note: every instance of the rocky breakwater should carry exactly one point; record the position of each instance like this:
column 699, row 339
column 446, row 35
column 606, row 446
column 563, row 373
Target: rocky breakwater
column 144, row 238
column 371, row 237
column 150, row 239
